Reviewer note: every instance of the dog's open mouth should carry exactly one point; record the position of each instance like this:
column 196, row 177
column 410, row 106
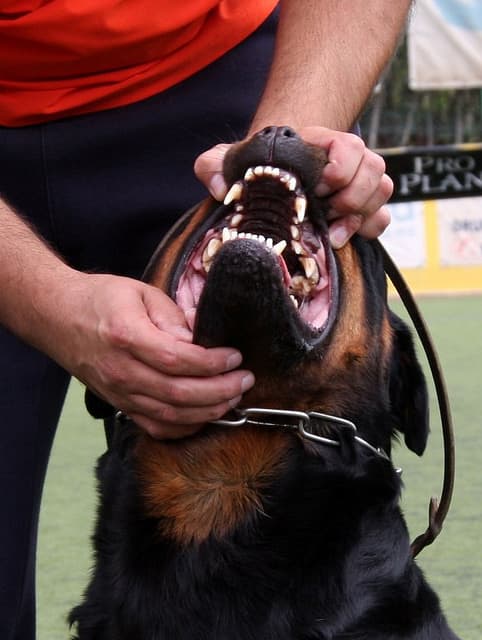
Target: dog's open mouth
column 262, row 268
column 268, row 208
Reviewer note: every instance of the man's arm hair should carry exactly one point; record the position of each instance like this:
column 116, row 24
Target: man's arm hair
column 329, row 55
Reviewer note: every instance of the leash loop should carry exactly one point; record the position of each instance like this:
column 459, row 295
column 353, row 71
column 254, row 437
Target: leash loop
column 437, row 510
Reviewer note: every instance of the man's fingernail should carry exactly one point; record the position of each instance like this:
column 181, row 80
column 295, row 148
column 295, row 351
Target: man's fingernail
column 234, row 360
column 218, row 187
column 339, row 236
column 247, row 382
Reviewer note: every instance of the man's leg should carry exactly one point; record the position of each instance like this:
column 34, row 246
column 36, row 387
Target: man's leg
column 32, row 390
column 102, row 189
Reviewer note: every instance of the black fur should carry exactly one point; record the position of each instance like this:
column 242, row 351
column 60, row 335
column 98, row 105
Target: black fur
column 329, row 560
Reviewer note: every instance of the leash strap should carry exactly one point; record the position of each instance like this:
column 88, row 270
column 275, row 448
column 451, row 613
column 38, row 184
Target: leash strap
column 437, row 509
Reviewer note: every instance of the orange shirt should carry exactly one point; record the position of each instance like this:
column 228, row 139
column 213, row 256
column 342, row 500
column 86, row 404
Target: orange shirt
column 66, row 57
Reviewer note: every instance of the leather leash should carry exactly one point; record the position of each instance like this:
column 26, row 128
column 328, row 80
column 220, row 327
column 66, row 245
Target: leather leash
column 437, row 509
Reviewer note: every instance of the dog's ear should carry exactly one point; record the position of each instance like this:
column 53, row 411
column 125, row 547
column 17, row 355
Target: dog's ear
column 408, row 389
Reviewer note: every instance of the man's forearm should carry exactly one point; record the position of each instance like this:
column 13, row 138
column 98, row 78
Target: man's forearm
column 329, row 55
column 30, row 274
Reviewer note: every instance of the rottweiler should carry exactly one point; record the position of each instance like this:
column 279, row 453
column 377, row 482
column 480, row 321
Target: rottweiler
column 281, row 521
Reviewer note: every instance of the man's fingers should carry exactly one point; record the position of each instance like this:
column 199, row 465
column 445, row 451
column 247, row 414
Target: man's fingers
column 208, row 168
column 374, row 225
column 158, row 338
column 145, row 388
column 165, row 421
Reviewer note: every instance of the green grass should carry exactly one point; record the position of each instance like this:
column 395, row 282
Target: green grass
column 453, row 563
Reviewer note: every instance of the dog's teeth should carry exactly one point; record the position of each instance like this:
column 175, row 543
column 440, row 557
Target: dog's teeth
column 294, row 301
column 297, row 248
column 258, row 171
column 234, row 193
column 213, row 247
column 279, row 247
column 311, row 269
column 249, row 236
column 236, row 220
column 249, row 175
column 233, row 233
column 269, row 243
column 295, row 232
column 226, row 235
column 300, row 207
column 241, row 235
column 292, row 183
column 268, row 171
column 239, row 207
column 276, row 172
column 301, row 285
column 261, row 239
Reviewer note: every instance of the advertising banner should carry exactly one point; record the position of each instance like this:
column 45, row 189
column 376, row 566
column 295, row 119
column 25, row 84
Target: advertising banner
column 433, row 173
column 445, row 45
column 460, row 232
column 404, row 238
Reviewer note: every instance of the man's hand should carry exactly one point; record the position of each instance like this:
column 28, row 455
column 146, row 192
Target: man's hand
column 123, row 338
column 354, row 182
column 130, row 343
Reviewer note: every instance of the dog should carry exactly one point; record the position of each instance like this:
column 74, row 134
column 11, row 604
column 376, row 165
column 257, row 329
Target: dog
column 281, row 521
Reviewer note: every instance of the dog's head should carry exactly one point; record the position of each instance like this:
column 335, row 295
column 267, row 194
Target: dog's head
column 312, row 323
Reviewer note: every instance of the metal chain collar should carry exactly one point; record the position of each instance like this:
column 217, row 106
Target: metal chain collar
column 299, row 421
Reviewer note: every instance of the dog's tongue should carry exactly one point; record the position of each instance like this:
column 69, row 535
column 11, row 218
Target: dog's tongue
column 244, row 305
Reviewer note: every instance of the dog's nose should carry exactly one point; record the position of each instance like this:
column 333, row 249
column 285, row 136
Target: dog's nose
column 272, row 133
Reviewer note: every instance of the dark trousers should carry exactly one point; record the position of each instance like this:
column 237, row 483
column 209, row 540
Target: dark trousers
column 102, row 189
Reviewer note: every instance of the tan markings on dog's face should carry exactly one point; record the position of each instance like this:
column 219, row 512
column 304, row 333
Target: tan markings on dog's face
column 160, row 275
column 207, row 485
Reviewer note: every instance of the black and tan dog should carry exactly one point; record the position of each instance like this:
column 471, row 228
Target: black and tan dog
column 282, row 525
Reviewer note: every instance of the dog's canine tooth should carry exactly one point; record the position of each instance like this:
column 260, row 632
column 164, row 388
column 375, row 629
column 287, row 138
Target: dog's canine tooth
column 294, row 301
column 311, row 269
column 226, row 235
column 234, row 193
column 212, row 248
column 249, row 175
column 279, row 247
column 297, row 248
column 295, row 232
column 236, row 220
column 300, row 208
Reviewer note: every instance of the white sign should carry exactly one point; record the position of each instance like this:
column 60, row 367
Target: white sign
column 404, row 238
column 460, row 231
column 445, row 44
